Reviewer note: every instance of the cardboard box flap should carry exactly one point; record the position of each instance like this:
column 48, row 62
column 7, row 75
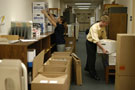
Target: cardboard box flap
column 77, row 69
column 38, row 63
column 75, row 56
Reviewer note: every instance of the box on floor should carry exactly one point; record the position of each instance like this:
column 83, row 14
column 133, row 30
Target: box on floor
column 124, row 83
column 50, row 82
column 62, row 53
column 125, row 62
column 70, row 41
column 40, row 80
column 64, row 58
column 70, row 49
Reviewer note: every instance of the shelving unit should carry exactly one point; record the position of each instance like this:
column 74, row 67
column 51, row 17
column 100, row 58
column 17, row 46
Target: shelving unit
column 19, row 50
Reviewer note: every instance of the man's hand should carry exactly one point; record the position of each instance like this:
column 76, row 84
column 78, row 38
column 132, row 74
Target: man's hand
column 105, row 51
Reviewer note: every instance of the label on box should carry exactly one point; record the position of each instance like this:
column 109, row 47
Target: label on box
column 53, row 82
column 122, row 67
column 44, row 81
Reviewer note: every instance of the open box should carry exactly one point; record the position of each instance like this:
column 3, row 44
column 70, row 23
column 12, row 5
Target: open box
column 50, row 82
column 56, row 63
column 47, row 77
column 53, row 69
column 62, row 53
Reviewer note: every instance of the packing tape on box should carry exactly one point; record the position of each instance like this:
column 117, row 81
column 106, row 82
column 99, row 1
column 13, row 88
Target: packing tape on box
column 53, row 82
column 0, row 61
column 44, row 81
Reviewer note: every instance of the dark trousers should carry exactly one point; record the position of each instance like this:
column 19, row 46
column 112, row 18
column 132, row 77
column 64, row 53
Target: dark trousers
column 91, row 49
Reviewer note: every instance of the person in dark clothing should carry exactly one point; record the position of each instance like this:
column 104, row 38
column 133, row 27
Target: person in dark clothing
column 59, row 29
column 96, row 32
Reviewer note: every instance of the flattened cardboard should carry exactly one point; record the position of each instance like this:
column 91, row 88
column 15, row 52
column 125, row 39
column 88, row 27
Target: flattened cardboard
column 77, row 69
column 125, row 60
column 38, row 63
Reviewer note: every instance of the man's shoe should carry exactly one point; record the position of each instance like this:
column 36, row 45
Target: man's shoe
column 96, row 77
column 86, row 69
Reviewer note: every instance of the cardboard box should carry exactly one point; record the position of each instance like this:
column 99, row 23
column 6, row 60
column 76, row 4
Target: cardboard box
column 125, row 60
column 109, row 45
column 77, row 69
column 62, row 53
column 51, row 62
column 70, row 41
column 125, row 83
column 70, row 49
column 70, row 44
column 42, row 75
column 67, row 59
column 50, row 82
column 38, row 18
column 38, row 6
column 53, row 69
column 112, row 59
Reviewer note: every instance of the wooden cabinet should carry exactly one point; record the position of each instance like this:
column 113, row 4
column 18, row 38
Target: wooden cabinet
column 118, row 21
column 118, row 24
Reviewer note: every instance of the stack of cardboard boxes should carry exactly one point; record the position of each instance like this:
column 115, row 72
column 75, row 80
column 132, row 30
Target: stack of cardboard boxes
column 125, row 64
column 110, row 46
column 39, row 20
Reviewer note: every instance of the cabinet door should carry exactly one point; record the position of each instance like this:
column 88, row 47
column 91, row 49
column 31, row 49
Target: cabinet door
column 118, row 24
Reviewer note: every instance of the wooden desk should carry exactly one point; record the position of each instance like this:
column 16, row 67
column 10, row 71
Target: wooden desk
column 19, row 50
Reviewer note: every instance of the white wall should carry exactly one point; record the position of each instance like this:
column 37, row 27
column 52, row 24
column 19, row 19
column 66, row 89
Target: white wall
column 62, row 6
column 98, row 13
column 127, row 3
column 108, row 1
column 54, row 3
column 15, row 10
column 19, row 10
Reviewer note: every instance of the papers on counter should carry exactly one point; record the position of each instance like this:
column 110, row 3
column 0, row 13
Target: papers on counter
column 28, row 40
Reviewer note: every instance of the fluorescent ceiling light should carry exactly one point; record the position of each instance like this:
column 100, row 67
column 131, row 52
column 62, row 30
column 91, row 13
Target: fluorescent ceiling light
column 83, row 6
column 82, row 3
